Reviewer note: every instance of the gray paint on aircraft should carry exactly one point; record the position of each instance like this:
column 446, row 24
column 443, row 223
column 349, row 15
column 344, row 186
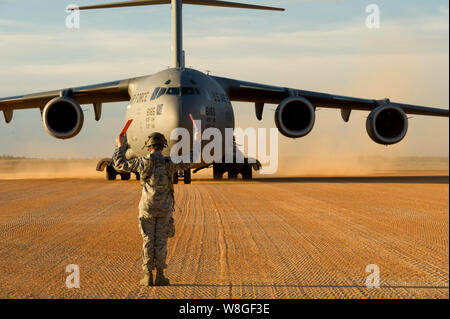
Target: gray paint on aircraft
column 198, row 95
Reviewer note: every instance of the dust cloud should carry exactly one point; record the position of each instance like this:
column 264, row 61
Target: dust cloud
column 25, row 168
column 337, row 165
column 313, row 165
column 325, row 157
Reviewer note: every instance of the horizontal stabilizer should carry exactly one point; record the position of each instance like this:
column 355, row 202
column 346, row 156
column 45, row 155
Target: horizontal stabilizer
column 133, row 3
column 214, row 3
column 229, row 4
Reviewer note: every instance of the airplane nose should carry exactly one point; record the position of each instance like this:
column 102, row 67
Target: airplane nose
column 168, row 113
column 178, row 114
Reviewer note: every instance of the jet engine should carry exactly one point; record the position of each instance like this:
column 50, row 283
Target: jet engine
column 63, row 117
column 295, row 117
column 387, row 125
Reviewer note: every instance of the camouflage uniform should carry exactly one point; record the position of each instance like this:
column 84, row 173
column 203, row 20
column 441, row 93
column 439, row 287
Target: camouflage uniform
column 156, row 206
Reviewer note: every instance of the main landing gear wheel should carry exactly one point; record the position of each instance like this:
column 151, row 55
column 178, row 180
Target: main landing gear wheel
column 217, row 172
column 187, row 176
column 125, row 176
column 233, row 174
column 247, row 172
column 233, row 171
column 111, row 173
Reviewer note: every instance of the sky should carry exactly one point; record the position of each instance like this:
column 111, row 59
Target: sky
column 317, row 45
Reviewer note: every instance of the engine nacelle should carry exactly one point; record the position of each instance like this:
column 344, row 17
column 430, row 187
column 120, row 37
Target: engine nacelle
column 63, row 117
column 295, row 117
column 387, row 125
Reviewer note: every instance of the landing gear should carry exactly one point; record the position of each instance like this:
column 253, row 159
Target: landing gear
column 105, row 164
column 125, row 176
column 247, row 172
column 218, row 171
column 233, row 173
column 234, row 170
column 111, row 173
column 186, row 175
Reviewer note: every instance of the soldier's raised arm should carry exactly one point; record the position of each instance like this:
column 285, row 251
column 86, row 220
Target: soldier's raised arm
column 120, row 162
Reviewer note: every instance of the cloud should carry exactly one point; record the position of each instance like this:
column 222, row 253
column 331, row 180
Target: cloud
column 7, row 22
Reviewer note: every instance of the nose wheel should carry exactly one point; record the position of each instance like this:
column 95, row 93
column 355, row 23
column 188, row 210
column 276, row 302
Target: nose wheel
column 185, row 175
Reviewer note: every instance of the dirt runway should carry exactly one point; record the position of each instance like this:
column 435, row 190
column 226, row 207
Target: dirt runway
column 271, row 238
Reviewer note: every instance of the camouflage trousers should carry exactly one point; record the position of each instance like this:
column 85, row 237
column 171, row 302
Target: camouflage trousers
column 155, row 232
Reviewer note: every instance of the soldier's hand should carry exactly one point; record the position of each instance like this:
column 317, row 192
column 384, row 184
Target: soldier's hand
column 120, row 140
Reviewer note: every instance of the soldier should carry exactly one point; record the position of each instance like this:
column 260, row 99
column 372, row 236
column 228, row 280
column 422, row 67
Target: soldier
column 156, row 207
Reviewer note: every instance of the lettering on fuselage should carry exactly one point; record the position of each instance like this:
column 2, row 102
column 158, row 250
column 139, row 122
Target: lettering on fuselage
column 210, row 116
column 159, row 109
column 152, row 112
column 140, row 97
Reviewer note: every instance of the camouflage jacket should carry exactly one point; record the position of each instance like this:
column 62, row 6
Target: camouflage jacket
column 156, row 172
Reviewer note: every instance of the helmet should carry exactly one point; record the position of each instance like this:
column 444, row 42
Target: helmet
column 156, row 140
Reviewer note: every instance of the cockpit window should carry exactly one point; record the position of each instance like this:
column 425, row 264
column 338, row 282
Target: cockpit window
column 155, row 92
column 162, row 91
column 173, row 91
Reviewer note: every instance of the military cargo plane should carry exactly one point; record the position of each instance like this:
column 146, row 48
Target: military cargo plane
column 174, row 97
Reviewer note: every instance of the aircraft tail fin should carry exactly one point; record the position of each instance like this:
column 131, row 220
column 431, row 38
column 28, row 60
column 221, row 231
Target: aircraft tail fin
column 177, row 29
column 214, row 3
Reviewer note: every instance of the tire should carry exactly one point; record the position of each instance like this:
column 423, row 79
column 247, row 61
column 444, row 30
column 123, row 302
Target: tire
column 187, row 177
column 111, row 173
column 125, row 176
column 175, row 177
column 217, row 172
column 247, row 172
column 232, row 175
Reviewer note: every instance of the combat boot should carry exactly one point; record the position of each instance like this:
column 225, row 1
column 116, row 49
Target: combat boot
column 147, row 280
column 160, row 279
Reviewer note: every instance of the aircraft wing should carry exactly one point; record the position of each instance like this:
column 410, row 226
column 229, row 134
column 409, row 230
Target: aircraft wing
column 116, row 91
column 242, row 91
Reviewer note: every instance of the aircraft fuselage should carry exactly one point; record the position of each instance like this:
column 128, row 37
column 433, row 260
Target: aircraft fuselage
column 164, row 101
